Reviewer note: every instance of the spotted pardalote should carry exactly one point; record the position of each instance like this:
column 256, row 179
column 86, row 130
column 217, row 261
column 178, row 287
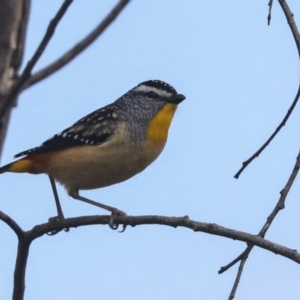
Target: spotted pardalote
column 106, row 147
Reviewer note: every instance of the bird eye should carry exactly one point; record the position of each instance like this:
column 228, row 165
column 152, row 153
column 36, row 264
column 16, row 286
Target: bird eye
column 151, row 95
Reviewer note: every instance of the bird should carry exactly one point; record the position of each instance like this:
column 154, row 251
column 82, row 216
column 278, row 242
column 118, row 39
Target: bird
column 107, row 146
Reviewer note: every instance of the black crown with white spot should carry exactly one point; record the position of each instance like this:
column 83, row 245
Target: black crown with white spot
column 159, row 85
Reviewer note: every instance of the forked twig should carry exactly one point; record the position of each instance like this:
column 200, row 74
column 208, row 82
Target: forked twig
column 279, row 206
column 78, row 48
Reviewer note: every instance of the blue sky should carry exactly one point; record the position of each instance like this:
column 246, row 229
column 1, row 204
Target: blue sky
column 239, row 77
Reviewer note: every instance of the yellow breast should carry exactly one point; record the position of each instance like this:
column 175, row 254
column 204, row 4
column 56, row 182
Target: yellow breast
column 159, row 126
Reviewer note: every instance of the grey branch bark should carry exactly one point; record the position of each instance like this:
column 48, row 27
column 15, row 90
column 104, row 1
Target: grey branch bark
column 13, row 23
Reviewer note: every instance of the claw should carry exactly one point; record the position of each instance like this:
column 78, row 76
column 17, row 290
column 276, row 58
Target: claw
column 54, row 220
column 53, row 232
column 113, row 216
column 123, row 229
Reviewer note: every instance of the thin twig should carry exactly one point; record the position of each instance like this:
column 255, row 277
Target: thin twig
column 270, row 4
column 290, row 19
column 78, row 48
column 237, row 259
column 237, row 279
column 30, row 65
column 296, row 35
column 12, row 224
column 261, row 149
column 279, row 206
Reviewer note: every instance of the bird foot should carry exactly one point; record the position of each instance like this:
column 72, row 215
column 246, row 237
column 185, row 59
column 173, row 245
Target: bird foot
column 57, row 220
column 113, row 216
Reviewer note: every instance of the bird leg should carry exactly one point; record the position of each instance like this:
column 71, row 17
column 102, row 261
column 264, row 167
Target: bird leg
column 114, row 211
column 60, row 213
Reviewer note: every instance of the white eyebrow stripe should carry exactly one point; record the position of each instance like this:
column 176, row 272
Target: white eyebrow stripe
column 145, row 89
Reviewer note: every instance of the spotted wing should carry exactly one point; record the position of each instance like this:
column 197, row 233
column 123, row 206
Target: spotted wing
column 94, row 129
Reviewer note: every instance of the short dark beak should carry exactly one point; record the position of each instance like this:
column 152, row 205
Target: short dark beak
column 176, row 99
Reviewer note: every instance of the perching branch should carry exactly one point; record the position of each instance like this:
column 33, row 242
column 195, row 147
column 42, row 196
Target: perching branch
column 30, row 65
column 211, row 228
column 296, row 35
column 25, row 238
column 78, row 48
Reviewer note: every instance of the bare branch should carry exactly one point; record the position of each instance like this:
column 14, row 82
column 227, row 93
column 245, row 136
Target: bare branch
column 12, row 224
column 78, row 48
column 279, row 206
column 50, row 227
column 39, row 230
column 296, row 35
column 20, row 268
column 41, row 48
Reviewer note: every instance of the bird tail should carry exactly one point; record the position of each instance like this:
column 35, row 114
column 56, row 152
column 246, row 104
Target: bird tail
column 19, row 166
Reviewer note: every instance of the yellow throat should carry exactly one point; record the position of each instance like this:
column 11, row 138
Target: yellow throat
column 159, row 125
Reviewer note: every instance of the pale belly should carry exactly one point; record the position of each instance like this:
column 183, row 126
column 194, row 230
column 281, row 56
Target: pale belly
column 91, row 167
